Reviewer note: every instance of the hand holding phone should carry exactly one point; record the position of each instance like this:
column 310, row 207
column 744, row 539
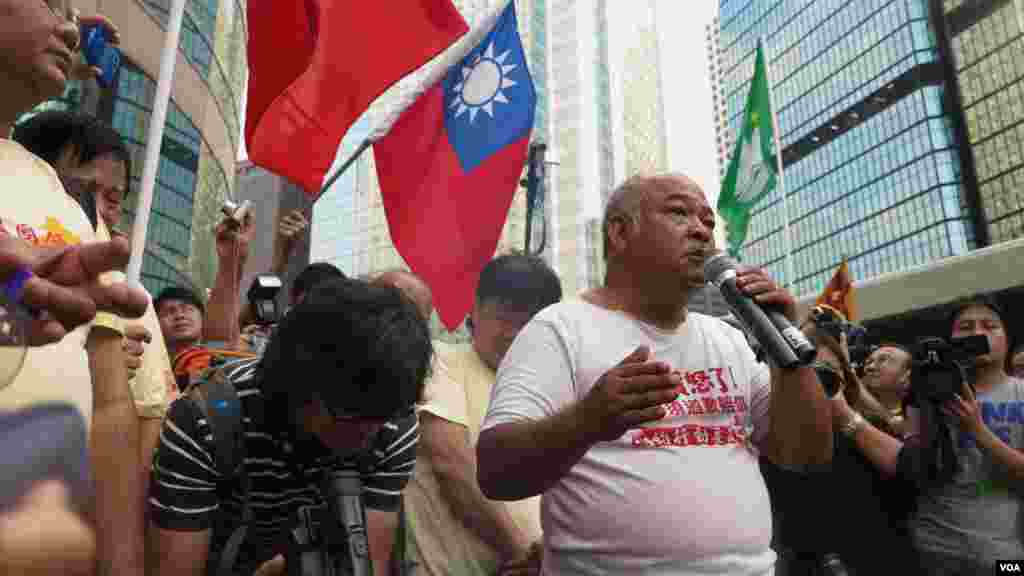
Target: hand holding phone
column 100, row 53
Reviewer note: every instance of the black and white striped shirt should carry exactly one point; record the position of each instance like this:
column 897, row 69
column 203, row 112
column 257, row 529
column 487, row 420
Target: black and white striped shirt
column 187, row 493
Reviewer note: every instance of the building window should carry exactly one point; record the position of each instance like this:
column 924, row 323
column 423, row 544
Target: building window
column 169, row 232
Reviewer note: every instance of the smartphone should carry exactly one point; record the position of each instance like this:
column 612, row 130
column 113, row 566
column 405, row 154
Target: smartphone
column 101, row 54
column 45, row 442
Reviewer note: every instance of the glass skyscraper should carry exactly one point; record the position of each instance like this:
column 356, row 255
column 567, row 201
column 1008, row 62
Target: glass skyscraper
column 870, row 126
column 986, row 39
column 201, row 134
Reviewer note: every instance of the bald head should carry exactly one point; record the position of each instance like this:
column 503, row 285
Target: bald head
column 410, row 285
column 627, row 202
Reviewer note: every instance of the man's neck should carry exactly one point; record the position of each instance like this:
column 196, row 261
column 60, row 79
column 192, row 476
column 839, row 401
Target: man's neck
column 989, row 377
column 649, row 303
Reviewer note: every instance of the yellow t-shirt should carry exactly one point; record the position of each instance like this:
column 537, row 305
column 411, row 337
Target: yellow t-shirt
column 37, row 210
column 154, row 379
column 459, row 391
column 106, row 319
column 149, row 386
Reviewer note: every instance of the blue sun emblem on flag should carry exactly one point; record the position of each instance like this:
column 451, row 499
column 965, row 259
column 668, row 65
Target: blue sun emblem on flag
column 489, row 96
column 482, row 85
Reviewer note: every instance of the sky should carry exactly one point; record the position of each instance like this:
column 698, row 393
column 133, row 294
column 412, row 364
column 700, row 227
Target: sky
column 687, row 89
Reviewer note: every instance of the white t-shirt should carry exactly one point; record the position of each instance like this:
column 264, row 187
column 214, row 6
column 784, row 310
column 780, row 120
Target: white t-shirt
column 680, row 496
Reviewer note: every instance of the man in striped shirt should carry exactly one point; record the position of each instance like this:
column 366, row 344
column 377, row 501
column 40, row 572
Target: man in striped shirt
column 338, row 381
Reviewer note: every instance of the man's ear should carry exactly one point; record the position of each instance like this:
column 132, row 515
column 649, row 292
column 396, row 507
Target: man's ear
column 620, row 228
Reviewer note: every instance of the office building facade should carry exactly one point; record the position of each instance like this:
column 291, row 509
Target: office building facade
column 875, row 167
column 723, row 139
column 272, row 197
column 200, row 143
column 986, row 41
column 608, row 121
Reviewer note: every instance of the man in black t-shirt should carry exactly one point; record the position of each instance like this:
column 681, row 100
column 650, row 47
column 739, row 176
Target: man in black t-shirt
column 337, row 383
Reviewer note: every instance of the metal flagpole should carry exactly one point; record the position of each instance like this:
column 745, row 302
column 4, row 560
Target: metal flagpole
column 790, row 275
column 341, row 169
column 155, row 138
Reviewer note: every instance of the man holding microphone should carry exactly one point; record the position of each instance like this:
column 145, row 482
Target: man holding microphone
column 640, row 422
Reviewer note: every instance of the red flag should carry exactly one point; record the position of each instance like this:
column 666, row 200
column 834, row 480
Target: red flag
column 450, row 165
column 316, row 65
column 839, row 293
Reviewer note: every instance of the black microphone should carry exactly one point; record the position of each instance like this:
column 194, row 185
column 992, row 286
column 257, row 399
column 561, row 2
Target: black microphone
column 784, row 343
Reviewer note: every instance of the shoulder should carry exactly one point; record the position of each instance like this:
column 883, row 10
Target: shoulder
column 396, row 437
column 400, row 426
column 716, row 328
column 569, row 317
column 240, row 372
column 14, row 155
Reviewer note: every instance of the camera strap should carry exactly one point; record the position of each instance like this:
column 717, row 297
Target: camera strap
column 216, row 398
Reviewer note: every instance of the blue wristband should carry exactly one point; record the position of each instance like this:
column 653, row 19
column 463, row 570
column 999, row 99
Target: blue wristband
column 16, row 283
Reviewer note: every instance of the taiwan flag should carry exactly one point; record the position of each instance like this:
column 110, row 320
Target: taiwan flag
column 450, row 164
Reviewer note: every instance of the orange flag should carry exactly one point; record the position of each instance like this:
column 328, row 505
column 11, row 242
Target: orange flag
column 839, row 294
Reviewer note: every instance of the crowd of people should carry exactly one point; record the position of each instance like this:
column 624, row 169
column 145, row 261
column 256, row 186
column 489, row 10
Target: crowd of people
column 609, row 432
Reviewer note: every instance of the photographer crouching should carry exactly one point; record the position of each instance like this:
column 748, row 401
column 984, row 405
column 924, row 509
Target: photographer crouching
column 865, row 530
column 331, row 398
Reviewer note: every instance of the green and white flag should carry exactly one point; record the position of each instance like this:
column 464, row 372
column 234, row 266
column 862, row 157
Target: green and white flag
column 752, row 172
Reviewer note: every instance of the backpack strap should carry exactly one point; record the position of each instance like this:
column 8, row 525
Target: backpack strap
column 218, row 401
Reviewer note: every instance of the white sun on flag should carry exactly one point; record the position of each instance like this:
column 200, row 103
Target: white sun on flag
column 483, row 80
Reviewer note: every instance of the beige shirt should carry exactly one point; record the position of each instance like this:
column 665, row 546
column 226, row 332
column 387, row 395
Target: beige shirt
column 153, row 381
column 458, row 391
column 37, row 210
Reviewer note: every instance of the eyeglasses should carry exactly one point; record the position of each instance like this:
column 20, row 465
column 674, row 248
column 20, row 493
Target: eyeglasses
column 831, row 380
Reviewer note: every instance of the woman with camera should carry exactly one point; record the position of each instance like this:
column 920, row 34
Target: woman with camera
column 848, row 519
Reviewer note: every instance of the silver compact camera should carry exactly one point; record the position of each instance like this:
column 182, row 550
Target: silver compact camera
column 236, row 212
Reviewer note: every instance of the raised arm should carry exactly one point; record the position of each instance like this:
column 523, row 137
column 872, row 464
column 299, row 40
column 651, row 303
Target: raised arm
column 183, row 498
column 222, row 311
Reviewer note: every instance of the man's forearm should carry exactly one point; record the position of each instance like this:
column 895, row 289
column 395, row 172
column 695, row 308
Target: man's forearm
column 879, row 448
column 489, row 520
column 800, row 432
column 222, row 314
column 523, row 459
column 119, row 485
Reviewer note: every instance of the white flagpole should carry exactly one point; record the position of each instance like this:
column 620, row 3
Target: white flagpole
column 155, row 138
column 790, row 275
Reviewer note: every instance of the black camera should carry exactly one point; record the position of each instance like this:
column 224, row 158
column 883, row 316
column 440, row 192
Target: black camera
column 940, row 367
column 330, row 539
column 262, row 296
column 831, row 323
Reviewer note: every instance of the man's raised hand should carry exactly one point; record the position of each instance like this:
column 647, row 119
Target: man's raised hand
column 631, row 394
